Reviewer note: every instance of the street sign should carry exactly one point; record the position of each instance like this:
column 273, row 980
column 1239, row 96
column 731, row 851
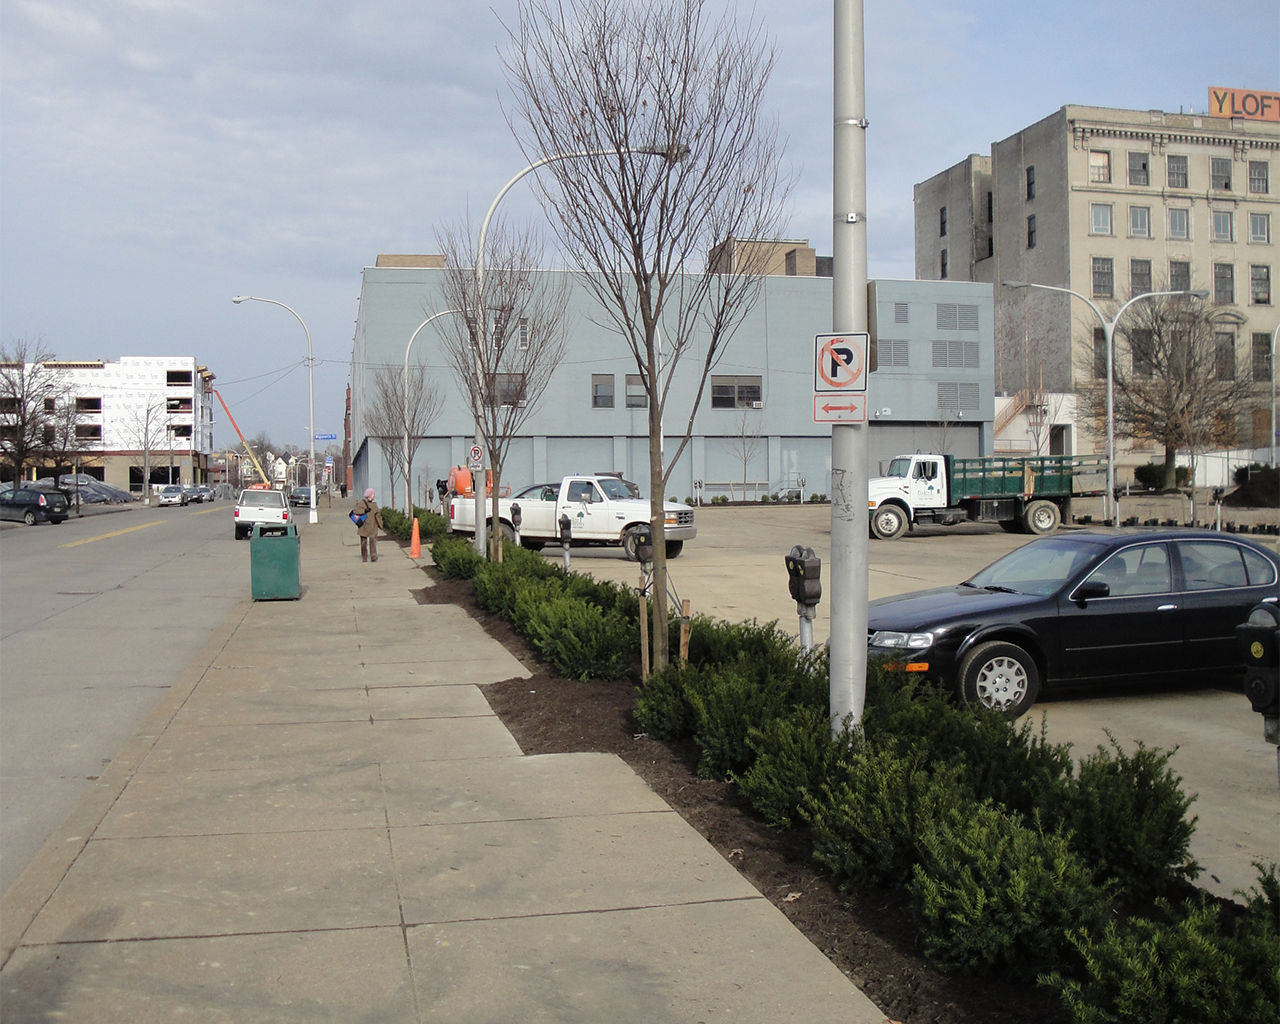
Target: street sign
column 840, row 364
column 328, row 460
column 475, row 456
column 326, row 437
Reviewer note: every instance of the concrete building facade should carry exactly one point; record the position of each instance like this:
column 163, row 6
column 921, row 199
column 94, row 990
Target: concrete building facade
column 1110, row 203
column 753, row 432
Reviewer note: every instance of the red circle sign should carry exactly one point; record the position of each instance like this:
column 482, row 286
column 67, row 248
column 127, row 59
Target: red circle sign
column 840, row 363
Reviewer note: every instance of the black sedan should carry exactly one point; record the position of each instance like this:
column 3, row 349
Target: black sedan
column 1082, row 609
column 33, row 505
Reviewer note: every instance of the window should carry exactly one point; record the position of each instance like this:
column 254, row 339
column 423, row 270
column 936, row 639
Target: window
column 1139, row 276
column 582, row 490
column 1100, row 218
column 1224, row 355
column 1140, row 221
column 178, row 405
column 1139, row 169
column 942, row 222
column 1261, row 356
column 1031, row 231
column 1259, row 177
column 1099, row 166
column 88, row 431
column 510, row 389
column 741, row 392
column 1224, row 283
column 1220, row 173
column 182, row 430
column 956, row 354
column 1179, row 276
column 522, row 336
column 1099, row 353
column 602, row 391
column 1223, row 226
column 1141, row 348
column 991, row 208
column 1260, row 228
column 943, row 265
column 178, row 378
column 88, row 405
column 891, row 352
column 1103, row 277
column 1031, row 182
column 1176, row 171
column 1179, row 222
column 637, row 397
column 49, row 405
column 1260, row 285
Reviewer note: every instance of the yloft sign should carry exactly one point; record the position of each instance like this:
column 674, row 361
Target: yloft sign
column 1250, row 104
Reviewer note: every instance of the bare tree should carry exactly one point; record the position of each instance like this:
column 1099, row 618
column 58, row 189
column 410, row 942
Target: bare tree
column 1031, row 362
column 31, row 393
column 744, row 445
column 144, row 434
column 400, row 412
column 662, row 103
column 1177, row 378
column 503, row 361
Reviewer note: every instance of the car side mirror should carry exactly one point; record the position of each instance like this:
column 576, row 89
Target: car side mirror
column 1090, row 590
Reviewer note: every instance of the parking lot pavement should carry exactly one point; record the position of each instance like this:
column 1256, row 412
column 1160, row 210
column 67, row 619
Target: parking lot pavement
column 734, row 570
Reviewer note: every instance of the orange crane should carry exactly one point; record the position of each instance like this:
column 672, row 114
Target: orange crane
column 256, row 464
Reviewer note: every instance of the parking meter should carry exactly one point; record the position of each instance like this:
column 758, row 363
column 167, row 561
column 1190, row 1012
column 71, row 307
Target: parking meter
column 516, row 519
column 1258, row 638
column 566, row 537
column 804, row 572
column 644, row 544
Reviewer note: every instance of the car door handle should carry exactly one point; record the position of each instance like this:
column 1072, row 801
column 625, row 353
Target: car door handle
column 1167, row 608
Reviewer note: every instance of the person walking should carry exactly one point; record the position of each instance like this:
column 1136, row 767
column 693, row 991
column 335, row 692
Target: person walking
column 368, row 530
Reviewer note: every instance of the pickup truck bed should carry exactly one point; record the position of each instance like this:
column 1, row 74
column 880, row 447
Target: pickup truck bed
column 260, row 506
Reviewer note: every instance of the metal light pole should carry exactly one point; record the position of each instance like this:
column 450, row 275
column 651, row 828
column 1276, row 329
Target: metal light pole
column 1273, row 396
column 311, row 393
column 1108, row 333
column 408, row 499
column 672, row 153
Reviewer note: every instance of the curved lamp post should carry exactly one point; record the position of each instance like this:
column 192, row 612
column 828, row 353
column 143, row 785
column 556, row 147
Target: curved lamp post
column 408, row 499
column 1108, row 332
column 311, row 393
column 671, row 153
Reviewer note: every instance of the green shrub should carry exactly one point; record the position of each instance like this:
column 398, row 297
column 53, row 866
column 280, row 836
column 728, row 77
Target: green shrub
column 793, row 756
column 431, row 525
column 455, row 557
column 495, row 585
column 580, row 640
column 395, row 523
column 1189, row 966
column 994, row 895
column 1151, row 476
column 662, row 706
column 1128, row 814
column 733, row 702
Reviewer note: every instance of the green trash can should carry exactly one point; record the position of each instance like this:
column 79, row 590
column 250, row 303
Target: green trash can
column 274, row 562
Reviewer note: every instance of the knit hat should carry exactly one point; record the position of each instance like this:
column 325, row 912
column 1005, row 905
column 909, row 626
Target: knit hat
column 369, row 493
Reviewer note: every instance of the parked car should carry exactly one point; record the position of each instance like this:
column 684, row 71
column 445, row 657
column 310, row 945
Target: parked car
column 1083, row 609
column 300, row 496
column 206, row 493
column 32, row 505
column 172, row 494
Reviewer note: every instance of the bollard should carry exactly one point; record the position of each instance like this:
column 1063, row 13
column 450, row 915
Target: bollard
column 566, row 539
column 804, row 571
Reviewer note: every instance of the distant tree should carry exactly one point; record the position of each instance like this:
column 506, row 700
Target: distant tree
column 397, row 413
column 504, row 360
column 663, row 101
column 1177, row 379
column 1032, row 366
column 31, row 393
column 744, row 444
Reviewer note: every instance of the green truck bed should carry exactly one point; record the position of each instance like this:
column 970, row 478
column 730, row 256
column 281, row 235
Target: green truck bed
column 1048, row 476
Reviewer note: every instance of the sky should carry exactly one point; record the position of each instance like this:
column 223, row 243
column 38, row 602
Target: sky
column 158, row 157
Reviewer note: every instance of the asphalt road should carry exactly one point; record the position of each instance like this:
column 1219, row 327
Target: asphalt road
column 98, row 615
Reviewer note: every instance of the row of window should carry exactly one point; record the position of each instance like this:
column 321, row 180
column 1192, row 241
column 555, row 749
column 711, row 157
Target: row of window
column 1140, row 347
column 1177, row 172
column 84, row 432
column 1222, row 224
column 742, row 391
column 1224, row 280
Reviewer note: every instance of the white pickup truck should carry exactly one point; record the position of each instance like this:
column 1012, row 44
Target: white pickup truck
column 257, row 505
column 601, row 510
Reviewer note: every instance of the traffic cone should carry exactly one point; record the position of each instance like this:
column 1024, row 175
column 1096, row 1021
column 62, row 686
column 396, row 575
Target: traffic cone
column 415, row 542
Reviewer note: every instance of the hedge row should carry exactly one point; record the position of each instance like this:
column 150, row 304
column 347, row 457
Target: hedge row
column 1015, row 860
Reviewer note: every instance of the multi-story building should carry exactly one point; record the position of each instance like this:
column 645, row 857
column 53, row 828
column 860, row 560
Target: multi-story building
column 140, row 411
column 1109, row 204
column 753, row 432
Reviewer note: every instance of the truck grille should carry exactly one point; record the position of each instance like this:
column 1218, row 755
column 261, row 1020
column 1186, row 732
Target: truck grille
column 684, row 518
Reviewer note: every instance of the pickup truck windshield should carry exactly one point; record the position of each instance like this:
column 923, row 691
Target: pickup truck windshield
column 899, row 467
column 614, row 488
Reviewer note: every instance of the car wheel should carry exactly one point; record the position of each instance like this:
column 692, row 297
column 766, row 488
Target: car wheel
column 888, row 522
column 29, row 518
column 1041, row 517
column 1000, row 676
column 631, row 543
column 674, row 547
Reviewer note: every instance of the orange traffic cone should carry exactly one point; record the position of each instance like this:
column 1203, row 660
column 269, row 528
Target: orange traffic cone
column 415, row 542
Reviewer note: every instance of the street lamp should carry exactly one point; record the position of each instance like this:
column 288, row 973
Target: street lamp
column 311, row 393
column 671, row 153
column 408, row 500
column 1108, row 333
column 1273, row 397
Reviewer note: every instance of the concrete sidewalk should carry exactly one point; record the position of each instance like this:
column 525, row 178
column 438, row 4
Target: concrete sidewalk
column 324, row 821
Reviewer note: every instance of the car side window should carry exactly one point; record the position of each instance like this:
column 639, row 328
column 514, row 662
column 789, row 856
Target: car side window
column 1261, row 572
column 1136, row 571
column 580, row 490
column 1209, row 565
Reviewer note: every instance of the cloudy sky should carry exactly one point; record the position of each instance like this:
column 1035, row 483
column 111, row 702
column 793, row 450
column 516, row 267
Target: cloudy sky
column 158, row 157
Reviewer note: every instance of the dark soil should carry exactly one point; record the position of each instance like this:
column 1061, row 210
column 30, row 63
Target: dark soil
column 867, row 934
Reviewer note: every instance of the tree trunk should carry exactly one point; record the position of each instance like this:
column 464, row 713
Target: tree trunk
column 1170, row 468
column 657, row 522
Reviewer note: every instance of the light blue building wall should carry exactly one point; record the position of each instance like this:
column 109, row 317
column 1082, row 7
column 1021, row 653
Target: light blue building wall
column 933, row 391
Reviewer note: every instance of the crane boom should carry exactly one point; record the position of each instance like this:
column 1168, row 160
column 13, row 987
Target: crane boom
column 256, row 465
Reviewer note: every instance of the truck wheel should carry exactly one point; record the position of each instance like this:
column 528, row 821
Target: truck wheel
column 888, row 522
column 674, row 547
column 1041, row 517
column 508, row 534
column 630, row 540
column 1000, row 676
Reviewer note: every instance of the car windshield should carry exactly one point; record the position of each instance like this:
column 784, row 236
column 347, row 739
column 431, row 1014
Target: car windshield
column 1039, row 568
column 615, row 488
column 899, row 467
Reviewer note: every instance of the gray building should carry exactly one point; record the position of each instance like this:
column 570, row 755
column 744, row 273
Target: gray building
column 753, row 432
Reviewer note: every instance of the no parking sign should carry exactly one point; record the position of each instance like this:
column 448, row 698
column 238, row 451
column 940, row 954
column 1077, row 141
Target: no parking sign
column 840, row 378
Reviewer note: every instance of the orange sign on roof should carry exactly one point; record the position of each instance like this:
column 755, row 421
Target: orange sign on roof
column 1251, row 104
